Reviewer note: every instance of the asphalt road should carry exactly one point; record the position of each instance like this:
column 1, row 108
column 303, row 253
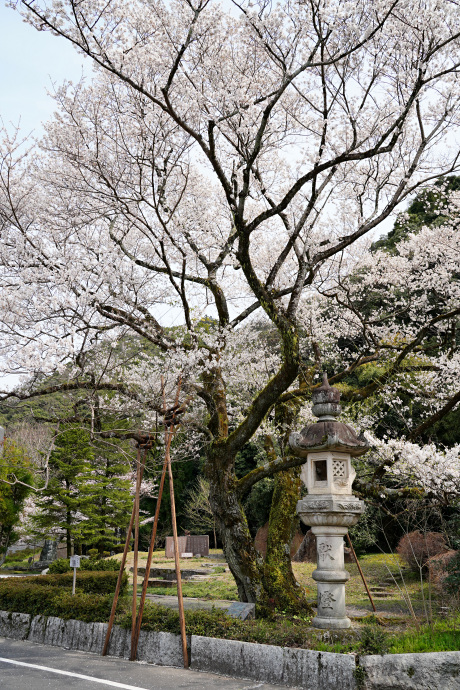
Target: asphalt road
column 29, row 666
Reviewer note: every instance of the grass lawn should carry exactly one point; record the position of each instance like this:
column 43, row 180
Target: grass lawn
column 376, row 568
column 396, row 623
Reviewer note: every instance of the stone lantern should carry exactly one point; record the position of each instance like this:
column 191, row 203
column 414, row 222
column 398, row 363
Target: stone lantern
column 330, row 507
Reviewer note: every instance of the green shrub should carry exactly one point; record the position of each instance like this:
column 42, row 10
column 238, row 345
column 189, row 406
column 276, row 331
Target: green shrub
column 93, row 553
column 48, row 600
column 373, row 640
column 60, row 565
column 119, row 548
column 216, row 623
column 90, row 582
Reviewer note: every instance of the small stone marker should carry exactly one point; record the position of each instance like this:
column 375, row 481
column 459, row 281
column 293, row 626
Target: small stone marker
column 186, row 555
column 242, row 610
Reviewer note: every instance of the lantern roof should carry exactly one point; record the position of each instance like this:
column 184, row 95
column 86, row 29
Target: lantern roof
column 327, row 433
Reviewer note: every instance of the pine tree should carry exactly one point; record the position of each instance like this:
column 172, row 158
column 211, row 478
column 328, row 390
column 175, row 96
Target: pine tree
column 60, row 503
column 105, row 497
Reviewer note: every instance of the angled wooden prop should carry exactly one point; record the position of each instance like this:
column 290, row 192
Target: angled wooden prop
column 168, row 438
column 122, row 565
column 361, row 572
column 136, row 547
column 176, row 549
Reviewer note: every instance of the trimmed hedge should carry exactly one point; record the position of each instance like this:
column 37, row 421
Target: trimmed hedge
column 62, row 565
column 40, row 600
column 90, row 582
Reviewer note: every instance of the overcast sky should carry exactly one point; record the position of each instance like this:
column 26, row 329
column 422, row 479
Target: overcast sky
column 30, row 61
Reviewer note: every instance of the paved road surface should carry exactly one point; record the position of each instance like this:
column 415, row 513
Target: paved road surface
column 29, row 666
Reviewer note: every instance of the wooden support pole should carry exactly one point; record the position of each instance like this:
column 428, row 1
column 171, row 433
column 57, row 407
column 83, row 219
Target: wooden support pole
column 120, row 576
column 169, row 433
column 361, row 572
column 136, row 546
column 147, row 566
column 176, row 558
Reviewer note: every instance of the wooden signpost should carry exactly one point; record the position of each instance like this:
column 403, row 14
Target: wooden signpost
column 74, row 563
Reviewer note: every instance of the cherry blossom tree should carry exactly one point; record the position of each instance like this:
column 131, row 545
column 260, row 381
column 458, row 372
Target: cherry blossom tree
column 227, row 166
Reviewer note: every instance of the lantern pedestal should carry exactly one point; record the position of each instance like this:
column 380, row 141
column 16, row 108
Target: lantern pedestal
column 329, row 518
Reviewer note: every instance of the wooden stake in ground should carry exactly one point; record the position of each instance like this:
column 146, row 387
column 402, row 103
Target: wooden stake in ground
column 176, row 558
column 168, row 434
column 120, row 574
column 136, row 545
column 140, row 612
column 168, row 439
column 361, row 572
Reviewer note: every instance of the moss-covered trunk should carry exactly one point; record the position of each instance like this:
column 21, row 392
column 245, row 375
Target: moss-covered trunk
column 238, row 546
column 230, row 519
column 280, row 586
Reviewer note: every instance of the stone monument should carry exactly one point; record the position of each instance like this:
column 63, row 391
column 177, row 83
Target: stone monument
column 330, row 507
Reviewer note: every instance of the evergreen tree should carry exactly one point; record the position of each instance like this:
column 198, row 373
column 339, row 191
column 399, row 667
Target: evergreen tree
column 60, row 503
column 105, row 499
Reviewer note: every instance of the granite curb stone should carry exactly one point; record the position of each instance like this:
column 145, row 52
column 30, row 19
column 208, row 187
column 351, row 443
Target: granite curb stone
column 428, row 671
column 301, row 668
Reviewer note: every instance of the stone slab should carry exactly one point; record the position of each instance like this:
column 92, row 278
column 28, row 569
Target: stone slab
column 241, row 610
column 161, row 648
column 428, row 671
column 162, row 583
column 192, row 543
column 170, row 573
column 37, row 629
column 169, row 548
column 303, row 668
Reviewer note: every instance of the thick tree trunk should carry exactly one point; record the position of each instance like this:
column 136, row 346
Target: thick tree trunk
column 280, row 586
column 242, row 558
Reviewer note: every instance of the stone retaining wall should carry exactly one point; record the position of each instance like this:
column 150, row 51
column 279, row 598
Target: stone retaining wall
column 301, row 668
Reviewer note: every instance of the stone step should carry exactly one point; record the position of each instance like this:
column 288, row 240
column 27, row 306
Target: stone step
column 170, row 573
column 162, row 583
